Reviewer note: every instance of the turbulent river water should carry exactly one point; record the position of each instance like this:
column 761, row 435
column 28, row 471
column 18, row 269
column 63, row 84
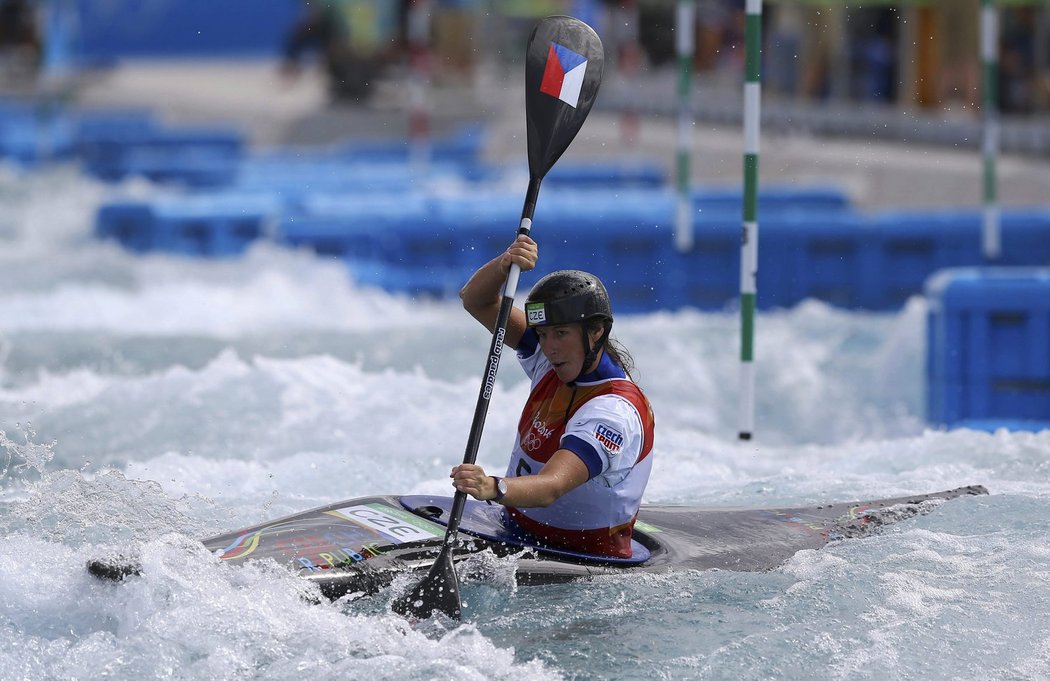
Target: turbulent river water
column 148, row 401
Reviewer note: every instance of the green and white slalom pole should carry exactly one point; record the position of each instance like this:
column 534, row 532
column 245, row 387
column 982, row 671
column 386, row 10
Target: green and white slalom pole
column 685, row 47
column 990, row 239
column 749, row 236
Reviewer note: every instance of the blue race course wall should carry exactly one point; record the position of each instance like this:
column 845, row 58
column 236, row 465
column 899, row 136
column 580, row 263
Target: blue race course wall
column 988, row 348
column 366, row 203
column 113, row 29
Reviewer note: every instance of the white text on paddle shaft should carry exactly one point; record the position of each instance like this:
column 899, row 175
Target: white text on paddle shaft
column 387, row 524
column 497, row 349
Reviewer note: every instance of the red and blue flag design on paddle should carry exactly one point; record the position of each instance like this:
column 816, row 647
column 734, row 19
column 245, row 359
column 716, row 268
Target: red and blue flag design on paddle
column 563, row 74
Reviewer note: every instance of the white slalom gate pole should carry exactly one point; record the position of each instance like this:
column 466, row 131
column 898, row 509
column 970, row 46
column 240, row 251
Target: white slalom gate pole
column 685, row 47
column 749, row 237
column 990, row 233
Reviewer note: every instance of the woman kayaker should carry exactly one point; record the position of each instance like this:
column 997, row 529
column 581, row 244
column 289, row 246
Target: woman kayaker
column 583, row 450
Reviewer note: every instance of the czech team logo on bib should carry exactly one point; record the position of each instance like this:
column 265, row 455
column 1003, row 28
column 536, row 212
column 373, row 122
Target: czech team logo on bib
column 563, row 75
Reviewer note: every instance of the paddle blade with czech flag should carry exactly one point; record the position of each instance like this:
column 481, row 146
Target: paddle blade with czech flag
column 563, row 69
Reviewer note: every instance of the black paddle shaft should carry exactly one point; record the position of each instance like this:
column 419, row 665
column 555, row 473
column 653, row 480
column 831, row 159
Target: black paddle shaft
column 563, row 69
column 481, row 409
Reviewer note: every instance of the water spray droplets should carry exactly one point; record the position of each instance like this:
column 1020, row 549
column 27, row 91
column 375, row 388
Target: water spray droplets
column 20, row 457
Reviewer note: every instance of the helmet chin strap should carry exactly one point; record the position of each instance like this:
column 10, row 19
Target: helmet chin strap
column 590, row 354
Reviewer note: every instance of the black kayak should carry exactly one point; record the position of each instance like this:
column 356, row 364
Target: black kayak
column 361, row 545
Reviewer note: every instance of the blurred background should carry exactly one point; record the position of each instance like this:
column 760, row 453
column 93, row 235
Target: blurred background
column 917, row 56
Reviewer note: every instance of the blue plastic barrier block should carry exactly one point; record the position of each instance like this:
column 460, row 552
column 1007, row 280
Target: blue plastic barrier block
column 1026, row 237
column 206, row 226
column 992, row 425
column 130, row 223
column 33, row 132
column 625, row 237
column 296, row 178
column 93, row 125
column 817, row 255
column 212, row 226
column 468, row 231
column 771, row 199
column 188, row 168
column 102, row 146
column 192, row 156
column 832, row 251
column 359, row 228
column 329, row 235
column 707, row 277
column 801, row 255
column 431, row 281
column 606, row 176
column 988, row 345
column 904, row 249
column 416, row 245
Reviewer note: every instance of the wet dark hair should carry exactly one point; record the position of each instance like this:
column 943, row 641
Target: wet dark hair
column 616, row 351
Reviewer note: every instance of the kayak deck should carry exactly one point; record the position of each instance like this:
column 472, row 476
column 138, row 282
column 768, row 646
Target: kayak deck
column 361, row 545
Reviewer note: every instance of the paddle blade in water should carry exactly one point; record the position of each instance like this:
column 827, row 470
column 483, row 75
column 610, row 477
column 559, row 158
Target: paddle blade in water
column 563, row 69
column 439, row 592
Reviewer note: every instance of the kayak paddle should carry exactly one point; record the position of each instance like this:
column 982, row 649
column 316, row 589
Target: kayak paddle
column 563, row 69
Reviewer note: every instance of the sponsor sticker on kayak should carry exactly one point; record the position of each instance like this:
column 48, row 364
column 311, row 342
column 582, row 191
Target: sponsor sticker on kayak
column 400, row 526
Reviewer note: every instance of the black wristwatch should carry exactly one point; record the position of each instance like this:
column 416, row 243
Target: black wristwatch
column 501, row 488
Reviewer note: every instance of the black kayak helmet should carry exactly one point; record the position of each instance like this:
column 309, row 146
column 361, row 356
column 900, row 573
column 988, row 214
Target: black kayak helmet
column 567, row 297
column 571, row 297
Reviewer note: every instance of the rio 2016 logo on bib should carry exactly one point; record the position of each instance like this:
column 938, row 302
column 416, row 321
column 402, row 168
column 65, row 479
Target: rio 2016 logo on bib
column 536, row 312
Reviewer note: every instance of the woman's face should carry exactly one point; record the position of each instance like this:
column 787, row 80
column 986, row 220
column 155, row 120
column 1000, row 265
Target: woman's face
column 563, row 347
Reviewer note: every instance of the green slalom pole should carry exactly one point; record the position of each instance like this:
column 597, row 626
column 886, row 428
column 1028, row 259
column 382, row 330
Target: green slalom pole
column 749, row 236
column 684, row 44
column 990, row 239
